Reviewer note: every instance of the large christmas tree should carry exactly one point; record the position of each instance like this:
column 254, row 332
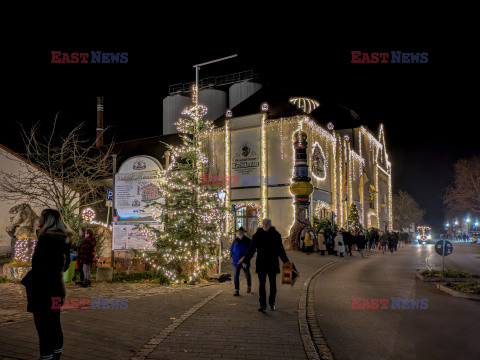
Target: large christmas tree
column 353, row 220
column 191, row 212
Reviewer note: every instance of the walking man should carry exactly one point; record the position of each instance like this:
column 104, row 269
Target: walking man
column 237, row 251
column 267, row 242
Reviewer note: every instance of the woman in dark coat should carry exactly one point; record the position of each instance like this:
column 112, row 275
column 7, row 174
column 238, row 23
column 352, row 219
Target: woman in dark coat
column 87, row 255
column 44, row 283
column 361, row 242
column 237, row 251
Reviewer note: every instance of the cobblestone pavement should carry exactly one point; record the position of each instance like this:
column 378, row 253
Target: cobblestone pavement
column 167, row 322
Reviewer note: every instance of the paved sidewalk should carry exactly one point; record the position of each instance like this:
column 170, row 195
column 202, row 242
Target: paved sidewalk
column 172, row 322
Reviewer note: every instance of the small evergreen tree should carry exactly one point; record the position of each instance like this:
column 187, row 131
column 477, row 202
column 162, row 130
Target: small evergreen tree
column 191, row 213
column 353, row 220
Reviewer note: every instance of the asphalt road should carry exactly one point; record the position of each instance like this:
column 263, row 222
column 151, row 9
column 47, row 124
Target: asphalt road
column 448, row 329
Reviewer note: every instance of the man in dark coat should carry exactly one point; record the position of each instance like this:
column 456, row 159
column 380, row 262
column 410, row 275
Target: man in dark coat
column 237, row 251
column 348, row 240
column 267, row 242
column 44, row 283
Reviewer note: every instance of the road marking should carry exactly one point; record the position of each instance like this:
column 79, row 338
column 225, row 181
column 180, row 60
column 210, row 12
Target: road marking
column 148, row 348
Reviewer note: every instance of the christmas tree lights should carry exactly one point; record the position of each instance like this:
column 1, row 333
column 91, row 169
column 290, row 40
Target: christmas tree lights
column 191, row 213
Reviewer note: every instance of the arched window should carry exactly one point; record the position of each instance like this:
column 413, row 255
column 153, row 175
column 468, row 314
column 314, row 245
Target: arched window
column 248, row 217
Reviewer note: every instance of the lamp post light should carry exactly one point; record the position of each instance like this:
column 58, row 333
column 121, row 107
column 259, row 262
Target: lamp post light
column 467, row 221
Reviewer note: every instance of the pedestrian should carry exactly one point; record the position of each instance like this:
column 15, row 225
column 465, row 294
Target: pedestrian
column 321, row 242
column 368, row 239
column 339, row 245
column 267, row 242
column 81, row 239
column 237, row 251
column 329, row 243
column 309, row 240
column 87, row 256
column 395, row 240
column 44, row 282
column 391, row 242
column 361, row 241
column 383, row 241
column 348, row 240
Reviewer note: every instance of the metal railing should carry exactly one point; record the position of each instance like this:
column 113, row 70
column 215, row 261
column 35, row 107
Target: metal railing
column 184, row 88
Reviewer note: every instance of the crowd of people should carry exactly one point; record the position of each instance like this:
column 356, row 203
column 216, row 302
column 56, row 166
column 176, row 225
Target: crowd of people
column 343, row 241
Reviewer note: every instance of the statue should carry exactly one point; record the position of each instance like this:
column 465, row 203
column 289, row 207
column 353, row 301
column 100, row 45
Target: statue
column 24, row 220
column 24, row 224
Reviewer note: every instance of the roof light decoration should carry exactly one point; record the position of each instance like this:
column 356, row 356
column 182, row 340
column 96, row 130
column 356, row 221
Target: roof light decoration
column 305, row 104
column 330, row 126
column 346, row 137
column 264, row 107
column 228, row 113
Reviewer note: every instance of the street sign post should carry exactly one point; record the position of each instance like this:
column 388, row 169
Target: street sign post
column 444, row 248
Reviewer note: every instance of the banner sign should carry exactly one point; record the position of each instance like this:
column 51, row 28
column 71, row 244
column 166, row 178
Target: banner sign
column 127, row 237
column 136, row 186
column 246, row 152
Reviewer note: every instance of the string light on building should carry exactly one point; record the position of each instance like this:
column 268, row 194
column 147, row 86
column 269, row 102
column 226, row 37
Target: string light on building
column 88, row 215
column 264, row 107
column 330, row 126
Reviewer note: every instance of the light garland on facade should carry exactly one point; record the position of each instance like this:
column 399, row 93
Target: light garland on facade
column 321, row 205
column 315, row 145
column 228, row 226
column 264, row 168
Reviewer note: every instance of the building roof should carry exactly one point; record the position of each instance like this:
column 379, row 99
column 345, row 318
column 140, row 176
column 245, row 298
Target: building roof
column 152, row 146
column 279, row 106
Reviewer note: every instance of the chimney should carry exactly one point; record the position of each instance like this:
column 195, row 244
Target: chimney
column 99, row 141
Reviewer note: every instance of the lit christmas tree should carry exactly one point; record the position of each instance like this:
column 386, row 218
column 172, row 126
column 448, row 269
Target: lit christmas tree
column 192, row 213
column 353, row 221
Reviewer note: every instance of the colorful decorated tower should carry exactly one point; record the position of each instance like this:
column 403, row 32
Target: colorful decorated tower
column 301, row 188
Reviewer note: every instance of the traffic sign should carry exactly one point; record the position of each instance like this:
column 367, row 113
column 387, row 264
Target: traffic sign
column 109, row 203
column 448, row 247
column 109, row 195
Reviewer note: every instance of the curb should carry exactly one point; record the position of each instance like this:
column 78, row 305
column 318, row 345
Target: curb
column 457, row 293
column 314, row 343
column 426, row 279
column 148, row 348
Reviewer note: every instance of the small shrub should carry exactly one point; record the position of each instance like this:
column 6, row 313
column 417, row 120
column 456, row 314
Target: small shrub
column 468, row 288
column 448, row 273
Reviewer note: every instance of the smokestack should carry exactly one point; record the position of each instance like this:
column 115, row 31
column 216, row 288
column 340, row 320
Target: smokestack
column 99, row 141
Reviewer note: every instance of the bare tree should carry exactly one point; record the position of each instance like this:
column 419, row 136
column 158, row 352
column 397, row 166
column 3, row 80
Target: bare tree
column 60, row 171
column 406, row 210
column 464, row 195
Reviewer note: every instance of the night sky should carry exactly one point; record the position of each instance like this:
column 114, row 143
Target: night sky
column 428, row 109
